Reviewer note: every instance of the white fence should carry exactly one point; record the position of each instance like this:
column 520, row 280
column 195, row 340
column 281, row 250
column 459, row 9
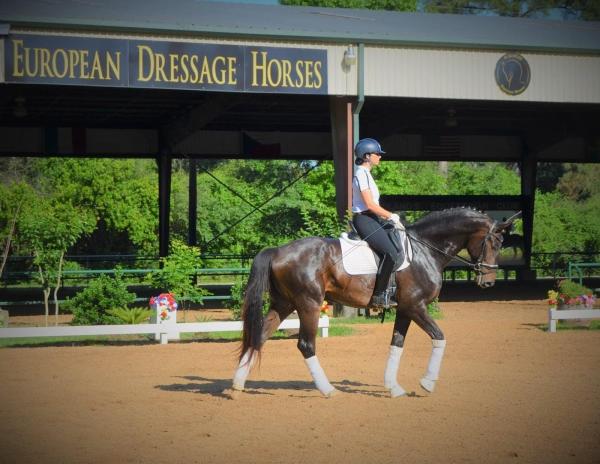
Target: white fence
column 570, row 314
column 164, row 332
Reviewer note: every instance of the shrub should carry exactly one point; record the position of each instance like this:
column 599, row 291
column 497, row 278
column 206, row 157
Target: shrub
column 131, row 315
column 434, row 309
column 93, row 305
column 571, row 293
column 178, row 274
column 237, row 299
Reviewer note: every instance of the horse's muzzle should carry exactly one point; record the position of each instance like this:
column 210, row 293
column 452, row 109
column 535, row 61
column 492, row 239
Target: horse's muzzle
column 487, row 284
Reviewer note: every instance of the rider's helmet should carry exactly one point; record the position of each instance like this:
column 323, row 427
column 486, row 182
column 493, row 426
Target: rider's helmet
column 366, row 146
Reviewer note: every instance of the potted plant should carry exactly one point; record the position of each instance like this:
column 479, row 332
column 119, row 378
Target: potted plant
column 571, row 295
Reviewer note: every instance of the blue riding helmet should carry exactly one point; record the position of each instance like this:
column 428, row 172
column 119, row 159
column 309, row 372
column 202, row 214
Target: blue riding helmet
column 366, row 146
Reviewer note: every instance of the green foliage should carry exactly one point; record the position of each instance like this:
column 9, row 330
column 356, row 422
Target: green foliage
column 573, row 289
column 399, row 5
column 434, row 309
column 574, row 9
column 120, row 193
column 482, row 178
column 131, row 315
column 48, row 228
column 580, row 182
column 237, row 299
column 177, row 274
column 93, row 305
column 564, row 225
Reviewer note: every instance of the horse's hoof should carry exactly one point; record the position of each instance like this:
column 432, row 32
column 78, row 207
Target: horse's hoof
column 233, row 394
column 428, row 385
column 397, row 391
column 332, row 393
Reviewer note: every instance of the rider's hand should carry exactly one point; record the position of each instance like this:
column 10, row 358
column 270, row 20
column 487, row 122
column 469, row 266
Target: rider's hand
column 396, row 220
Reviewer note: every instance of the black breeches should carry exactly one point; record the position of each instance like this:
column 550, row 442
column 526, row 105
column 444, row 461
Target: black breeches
column 369, row 227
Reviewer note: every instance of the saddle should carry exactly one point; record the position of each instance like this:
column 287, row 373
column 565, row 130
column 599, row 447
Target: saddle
column 358, row 258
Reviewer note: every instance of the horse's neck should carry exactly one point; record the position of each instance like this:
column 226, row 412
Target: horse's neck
column 449, row 237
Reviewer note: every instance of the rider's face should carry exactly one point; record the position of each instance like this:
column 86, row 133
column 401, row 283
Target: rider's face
column 374, row 158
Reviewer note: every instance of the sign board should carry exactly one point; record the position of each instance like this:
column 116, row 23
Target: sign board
column 68, row 60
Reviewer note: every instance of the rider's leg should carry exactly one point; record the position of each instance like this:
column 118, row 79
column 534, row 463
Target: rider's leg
column 371, row 230
column 380, row 297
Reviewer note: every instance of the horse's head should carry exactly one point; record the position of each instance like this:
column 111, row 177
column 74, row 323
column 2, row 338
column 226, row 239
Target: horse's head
column 484, row 247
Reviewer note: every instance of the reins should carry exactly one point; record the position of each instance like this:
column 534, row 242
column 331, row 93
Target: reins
column 477, row 267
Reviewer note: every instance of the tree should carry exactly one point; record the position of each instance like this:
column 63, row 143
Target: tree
column 121, row 194
column 50, row 227
column 177, row 274
column 580, row 181
column 399, row 5
column 13, row 196
column 567, row 9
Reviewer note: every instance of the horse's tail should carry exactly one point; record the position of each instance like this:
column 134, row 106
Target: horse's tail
column 258, row 285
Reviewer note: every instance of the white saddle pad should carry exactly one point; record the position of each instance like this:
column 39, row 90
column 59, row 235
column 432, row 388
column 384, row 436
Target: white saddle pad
column 358, row 258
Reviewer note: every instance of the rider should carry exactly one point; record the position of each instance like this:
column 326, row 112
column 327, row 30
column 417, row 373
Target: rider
column 370, row 218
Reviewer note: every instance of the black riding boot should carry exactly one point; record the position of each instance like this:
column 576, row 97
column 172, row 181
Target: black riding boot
column 381, row 297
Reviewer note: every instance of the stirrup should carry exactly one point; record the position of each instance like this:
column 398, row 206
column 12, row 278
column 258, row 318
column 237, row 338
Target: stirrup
column 382, row 300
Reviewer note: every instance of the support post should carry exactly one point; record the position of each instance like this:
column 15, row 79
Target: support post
column 164, row 201
column 192, row 203
column 342, row 149
column 528, row 181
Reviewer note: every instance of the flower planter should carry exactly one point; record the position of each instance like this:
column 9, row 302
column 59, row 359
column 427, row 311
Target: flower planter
column 573, row 322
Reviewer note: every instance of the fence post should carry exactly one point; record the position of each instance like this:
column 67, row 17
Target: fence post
column 551, row 321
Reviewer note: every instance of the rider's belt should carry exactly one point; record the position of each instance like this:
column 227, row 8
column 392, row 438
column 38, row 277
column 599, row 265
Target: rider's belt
column 367, row 213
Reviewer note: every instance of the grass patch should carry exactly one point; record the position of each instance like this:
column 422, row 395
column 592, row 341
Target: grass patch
column 74, row 341
column 341, row 331
column 561, row 325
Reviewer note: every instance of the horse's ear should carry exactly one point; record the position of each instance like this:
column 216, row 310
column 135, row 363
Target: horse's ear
column 506, row 224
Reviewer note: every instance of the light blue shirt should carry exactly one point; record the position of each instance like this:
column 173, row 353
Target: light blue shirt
column 363, row 180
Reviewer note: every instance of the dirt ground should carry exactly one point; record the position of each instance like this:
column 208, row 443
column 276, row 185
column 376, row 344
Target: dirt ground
column 508, row 392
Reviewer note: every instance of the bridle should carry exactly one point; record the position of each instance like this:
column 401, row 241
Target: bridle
column 477, row 266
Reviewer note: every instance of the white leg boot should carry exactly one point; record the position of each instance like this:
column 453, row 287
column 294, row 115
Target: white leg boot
column 390, row 374
column 241, row 373
column 319, row 377
column 435, row 362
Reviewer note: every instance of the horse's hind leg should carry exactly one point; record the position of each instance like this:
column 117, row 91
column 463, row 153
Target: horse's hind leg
column 390, row 375
column 270, row 323
column 424, row 320
column 309, row 324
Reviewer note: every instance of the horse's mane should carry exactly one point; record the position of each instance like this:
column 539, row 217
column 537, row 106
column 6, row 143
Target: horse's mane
column 436, row 217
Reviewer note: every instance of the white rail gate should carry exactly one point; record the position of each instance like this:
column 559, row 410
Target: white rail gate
column 162, row 332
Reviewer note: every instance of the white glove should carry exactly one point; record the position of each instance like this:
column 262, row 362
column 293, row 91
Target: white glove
column 396, row 220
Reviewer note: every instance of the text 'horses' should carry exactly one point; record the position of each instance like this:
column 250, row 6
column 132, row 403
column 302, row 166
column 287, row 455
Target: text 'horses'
column 300, row 275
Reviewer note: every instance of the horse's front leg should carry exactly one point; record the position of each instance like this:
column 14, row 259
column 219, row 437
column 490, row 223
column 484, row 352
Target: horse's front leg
column 309, row 324
column 424, row 320
column 390, row 375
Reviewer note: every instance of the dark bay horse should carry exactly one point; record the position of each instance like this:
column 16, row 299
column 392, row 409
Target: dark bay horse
column 301, row 274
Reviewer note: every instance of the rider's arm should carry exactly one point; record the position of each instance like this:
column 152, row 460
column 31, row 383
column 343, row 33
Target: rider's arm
column 374, row 207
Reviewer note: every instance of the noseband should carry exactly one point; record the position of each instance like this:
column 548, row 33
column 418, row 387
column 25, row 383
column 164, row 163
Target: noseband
column 480, row 265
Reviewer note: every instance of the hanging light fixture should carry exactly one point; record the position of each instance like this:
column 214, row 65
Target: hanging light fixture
column 350, row 56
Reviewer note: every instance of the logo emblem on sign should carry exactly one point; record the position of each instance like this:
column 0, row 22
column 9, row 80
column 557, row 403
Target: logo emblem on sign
column 512, row 74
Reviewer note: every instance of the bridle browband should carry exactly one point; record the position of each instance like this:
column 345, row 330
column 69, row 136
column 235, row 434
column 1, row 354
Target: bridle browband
column 479, row 265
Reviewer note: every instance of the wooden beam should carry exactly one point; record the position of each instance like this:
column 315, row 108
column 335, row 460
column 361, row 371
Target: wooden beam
column 342, row 149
